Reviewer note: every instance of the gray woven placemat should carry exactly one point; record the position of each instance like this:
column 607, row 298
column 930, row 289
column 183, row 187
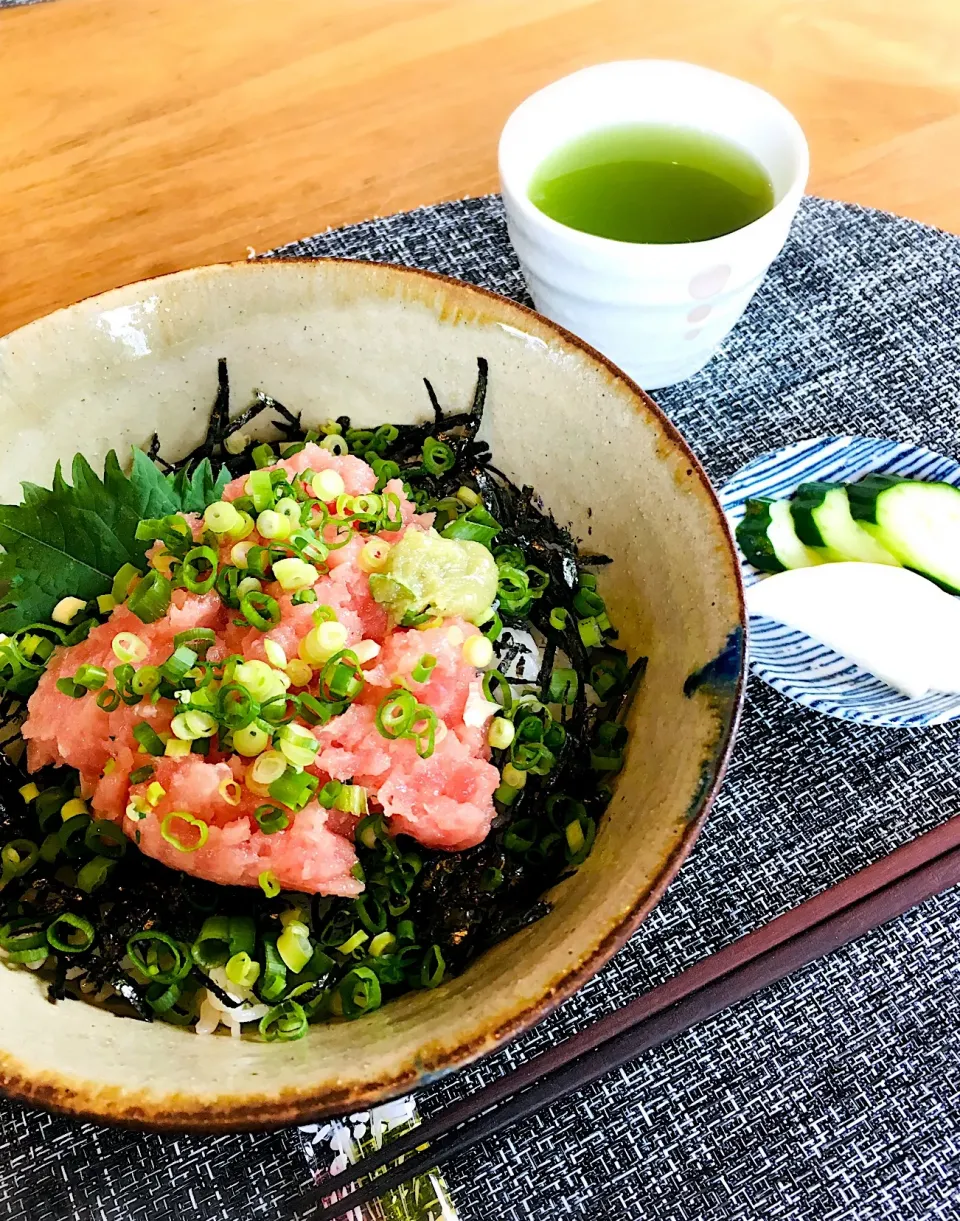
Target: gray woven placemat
column 834, row 1095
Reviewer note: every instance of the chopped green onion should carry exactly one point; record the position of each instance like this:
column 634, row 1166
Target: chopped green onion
column 319, row 712
column 329, row 793
column 105, row 838
column 431, row 972
column 108, row 700
column 92, row 875
column 588, row 603
column 197, row 638
column 50, row 849
column 476, row 526
column 382, row 944
column 273, row 982
column 263, row 455
column 260, row 610
column 260, row 489
column 559, row 618
column 123, row 677
column 71, row 934
column 520, row 836
column 148, row 738
column 273, row 525
column 295, row 575
column 66, row 686
column 351, row 799
column 492, row 633
column 18, row 857
column 535, row 757
column 150, row 600
column 608, row 672
column 242, row 970
column 177, row 664
column 222, row 517
column 236, row 707
column 353, row 942
column 501, row 733
column 91, row 677
column 171, row 836
column 284, row 1024
column 563, row 686
column 303, row 595
column 590, row 633
column 23, row 942
column 294, row 789
column 280, row 709
column 48, row 807
column 193, row 725
column 173, row 531
column 538, row 586
column 513, row 590
column 607, row 752
column 438, row 457
column 359, row 992
column 497, row 690
column 342, row 677
column 159, row 957
column 424, row 730
column 139, row 774
column 396, row 713
column 423, row 669
column 298, row 745
column 491, row 878
column 243, row 934
column 294, row 947
column 199, row 570
column 162, row 997
column 123, row 581
column 579, row 836
column 271, row 819
column 268, row 883
column 146, row 680
column 212, row 946
column 71, row 835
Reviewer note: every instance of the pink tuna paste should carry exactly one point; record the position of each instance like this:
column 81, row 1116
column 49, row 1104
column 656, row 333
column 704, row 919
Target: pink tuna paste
column 444, row 801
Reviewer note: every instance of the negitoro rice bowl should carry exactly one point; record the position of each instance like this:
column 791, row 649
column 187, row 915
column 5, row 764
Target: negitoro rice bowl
column 352, row 694
column 321, row 706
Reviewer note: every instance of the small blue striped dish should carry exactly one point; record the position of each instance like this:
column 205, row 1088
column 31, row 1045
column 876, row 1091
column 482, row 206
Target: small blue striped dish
column 790, row 661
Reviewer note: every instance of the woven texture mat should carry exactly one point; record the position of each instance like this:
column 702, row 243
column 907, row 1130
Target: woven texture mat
column 834, row 1094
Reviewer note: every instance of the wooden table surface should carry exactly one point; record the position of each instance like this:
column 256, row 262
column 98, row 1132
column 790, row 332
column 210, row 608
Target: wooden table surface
column 143, row 136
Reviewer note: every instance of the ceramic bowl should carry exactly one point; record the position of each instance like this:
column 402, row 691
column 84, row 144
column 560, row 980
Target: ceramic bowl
column 331, row 337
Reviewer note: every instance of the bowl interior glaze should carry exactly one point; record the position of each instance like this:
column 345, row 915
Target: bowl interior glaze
column 331, row 337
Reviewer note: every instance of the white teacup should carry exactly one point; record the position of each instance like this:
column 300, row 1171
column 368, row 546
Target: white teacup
column 658, row 311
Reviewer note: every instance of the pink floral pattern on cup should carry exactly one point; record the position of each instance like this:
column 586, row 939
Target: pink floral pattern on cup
column 709, row 282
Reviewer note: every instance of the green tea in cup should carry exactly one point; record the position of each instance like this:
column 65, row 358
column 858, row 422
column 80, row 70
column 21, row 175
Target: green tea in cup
column 652, row 183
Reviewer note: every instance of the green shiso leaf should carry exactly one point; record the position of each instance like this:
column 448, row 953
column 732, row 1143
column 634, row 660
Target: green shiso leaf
column 70, row 540
column 201, row 488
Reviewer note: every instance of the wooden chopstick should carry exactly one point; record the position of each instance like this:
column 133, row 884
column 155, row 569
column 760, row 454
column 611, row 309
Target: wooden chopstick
column 868, row 898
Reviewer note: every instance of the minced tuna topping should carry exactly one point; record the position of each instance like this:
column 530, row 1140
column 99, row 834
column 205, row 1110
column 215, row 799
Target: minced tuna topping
column 290, row 685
